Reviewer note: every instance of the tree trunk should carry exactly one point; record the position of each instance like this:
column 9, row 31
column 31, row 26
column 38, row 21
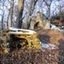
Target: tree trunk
column 29, row 12
column 10, row 20
column 20, row 11
column 31, row 7
column 48, row 12
column 2, row 21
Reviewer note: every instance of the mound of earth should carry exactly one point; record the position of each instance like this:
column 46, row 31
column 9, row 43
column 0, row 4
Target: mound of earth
column 51, row 36
column 36, row 57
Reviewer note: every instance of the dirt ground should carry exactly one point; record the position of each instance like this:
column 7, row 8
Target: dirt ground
column 54, row 37
column 51, row 36
column 37, row 56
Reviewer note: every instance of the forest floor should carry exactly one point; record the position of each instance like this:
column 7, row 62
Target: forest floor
column 51, row 36
column 43, row 56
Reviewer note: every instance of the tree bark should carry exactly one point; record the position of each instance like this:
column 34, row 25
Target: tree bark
column 32, row 5
column 2, row 21
column 48, row 5
column 29, row 13
column 10, row 20
column 20, row 11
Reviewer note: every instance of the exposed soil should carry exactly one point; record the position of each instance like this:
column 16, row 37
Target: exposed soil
column 51, row 36
column 37, row 56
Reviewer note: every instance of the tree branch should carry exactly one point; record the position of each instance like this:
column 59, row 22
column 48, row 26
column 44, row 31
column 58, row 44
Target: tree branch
column 47, row 3
column 35, row 2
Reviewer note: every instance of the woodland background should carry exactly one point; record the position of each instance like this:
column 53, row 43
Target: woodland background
column 16, row 13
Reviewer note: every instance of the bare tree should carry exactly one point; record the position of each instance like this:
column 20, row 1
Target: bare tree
column 29, row 12
column 2, row 16
column 48, row 6
column 10, row 20
column 20, row 12
column 32, row 6
column 2, row 21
